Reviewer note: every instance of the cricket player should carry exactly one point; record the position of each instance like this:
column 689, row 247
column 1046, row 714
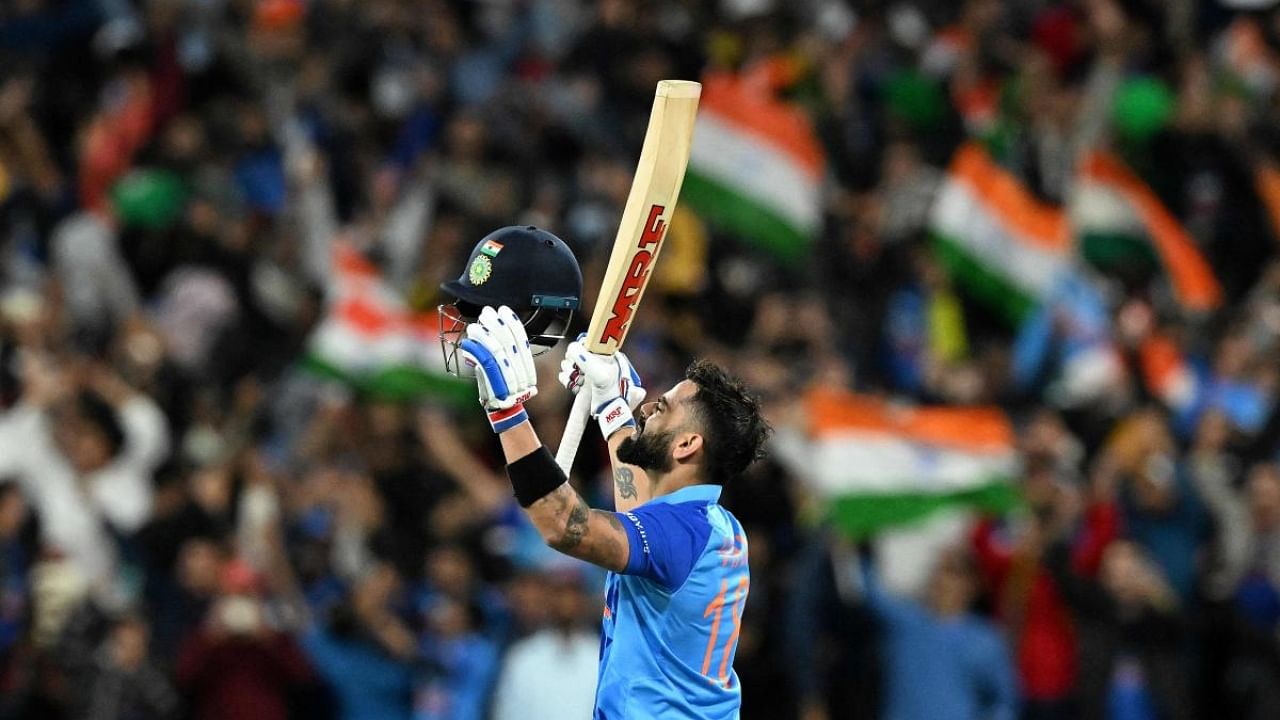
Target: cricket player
column 679, row 577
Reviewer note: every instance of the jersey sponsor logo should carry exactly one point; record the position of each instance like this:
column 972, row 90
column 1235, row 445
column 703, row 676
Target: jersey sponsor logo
column 625, row 302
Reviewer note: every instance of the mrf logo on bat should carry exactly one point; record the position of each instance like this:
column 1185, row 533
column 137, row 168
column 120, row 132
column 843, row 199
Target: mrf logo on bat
column 624, row 303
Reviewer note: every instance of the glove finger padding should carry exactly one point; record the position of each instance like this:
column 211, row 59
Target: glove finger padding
column 635, row 396
column 633, row 387
column 493, row 361
column 576, row 353
column 614, row 385
column 506, row 349
column 476, row 356
column 574, row 362
column 520, row 339
column 601, row 371
column 570, row 376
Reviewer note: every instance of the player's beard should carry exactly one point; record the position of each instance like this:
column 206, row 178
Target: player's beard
column 649, row 451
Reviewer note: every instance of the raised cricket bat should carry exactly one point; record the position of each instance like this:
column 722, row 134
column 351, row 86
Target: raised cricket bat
column 652, row 200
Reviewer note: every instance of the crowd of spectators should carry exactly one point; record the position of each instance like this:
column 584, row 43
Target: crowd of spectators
column 194, row 526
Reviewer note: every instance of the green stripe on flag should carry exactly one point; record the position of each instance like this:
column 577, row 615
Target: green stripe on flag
column 737, row 214
column 1109, row 251
column 983, row 283
column 860, row 516
column 400, row 383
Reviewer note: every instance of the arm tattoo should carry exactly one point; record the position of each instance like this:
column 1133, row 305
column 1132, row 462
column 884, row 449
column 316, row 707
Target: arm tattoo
column 576, row 527
column 566, row 511
column 614, row 522
column 612, row 546
column 626, row 482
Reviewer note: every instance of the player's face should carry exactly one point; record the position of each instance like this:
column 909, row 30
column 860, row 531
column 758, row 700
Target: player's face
column 663, row 427
column 668, row 412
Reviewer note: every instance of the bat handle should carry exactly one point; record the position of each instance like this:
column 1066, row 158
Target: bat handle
column 573, row 429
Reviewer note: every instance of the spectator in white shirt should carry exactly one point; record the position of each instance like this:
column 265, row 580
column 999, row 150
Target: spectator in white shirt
column 84, row 454
column 552, row 674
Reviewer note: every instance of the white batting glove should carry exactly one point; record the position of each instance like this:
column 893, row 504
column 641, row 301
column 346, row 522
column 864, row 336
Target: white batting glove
column 497, row 348
column 614, row 384
column 573, row 380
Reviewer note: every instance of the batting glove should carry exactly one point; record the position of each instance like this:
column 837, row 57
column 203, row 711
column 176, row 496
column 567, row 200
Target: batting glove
column 615, row 386
column 497, row 349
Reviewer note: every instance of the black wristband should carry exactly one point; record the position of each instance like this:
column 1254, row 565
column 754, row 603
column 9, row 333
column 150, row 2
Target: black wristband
column 534, row 476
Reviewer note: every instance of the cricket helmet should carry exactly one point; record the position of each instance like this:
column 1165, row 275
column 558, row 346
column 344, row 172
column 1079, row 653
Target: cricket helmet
column 523, row 267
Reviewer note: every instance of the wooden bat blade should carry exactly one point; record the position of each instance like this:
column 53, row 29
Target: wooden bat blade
column 652, row 200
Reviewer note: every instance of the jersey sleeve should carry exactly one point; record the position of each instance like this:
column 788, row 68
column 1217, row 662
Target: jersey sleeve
column 665, row 541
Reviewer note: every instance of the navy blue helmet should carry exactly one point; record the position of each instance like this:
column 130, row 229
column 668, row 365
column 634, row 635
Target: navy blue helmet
column 523, row 267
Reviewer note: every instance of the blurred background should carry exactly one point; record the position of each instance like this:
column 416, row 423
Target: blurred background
column 1004, row 273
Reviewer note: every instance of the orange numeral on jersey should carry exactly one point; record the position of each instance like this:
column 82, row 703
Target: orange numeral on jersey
column 715, row 609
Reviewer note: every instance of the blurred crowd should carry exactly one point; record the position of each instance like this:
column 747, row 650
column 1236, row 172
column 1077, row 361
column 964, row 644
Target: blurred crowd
column 193, row 526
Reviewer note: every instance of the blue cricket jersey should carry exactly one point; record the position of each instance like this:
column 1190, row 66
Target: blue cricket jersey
column 671, row 619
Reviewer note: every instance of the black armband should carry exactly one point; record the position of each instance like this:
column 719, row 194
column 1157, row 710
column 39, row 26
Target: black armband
column 534, row 476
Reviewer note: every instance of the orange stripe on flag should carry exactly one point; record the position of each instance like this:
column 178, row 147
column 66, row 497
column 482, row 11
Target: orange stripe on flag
column 426, row 324
column 365, row 317
column 349, row 262
column 369, row 317
column 1192, row 278
column 1160, row 361
column 751, row 108
column 979, row 429
column 1017, row 209
column 1267, row 182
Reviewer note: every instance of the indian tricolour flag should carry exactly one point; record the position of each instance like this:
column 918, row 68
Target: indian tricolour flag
column 1114, row 213
column 1168, row 375
column 756, row 167
column 1000, row 243
column 371, row 340
column 877, row 465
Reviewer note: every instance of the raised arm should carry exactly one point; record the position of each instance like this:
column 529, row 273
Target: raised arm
column 616, row 392
column 561, row 515
column 659, row 542
column 497, row 348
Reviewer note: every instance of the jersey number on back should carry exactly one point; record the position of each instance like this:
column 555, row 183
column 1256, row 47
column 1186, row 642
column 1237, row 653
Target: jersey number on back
column 734, row 600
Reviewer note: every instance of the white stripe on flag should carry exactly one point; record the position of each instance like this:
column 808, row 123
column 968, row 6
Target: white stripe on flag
column 758, row 171
column 960, row 217
column 861, row 463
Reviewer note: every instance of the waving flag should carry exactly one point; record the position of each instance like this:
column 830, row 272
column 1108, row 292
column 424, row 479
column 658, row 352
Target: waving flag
column 1266, row 178
column 877, row 465
column 1112, row 202
column 756, row 166
column 371, row 339
column 1189, row 388
column 999, row 242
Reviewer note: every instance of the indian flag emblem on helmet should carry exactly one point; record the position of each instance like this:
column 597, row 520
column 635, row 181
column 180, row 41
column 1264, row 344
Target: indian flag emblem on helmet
column 481, row 269
column 491, row 248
